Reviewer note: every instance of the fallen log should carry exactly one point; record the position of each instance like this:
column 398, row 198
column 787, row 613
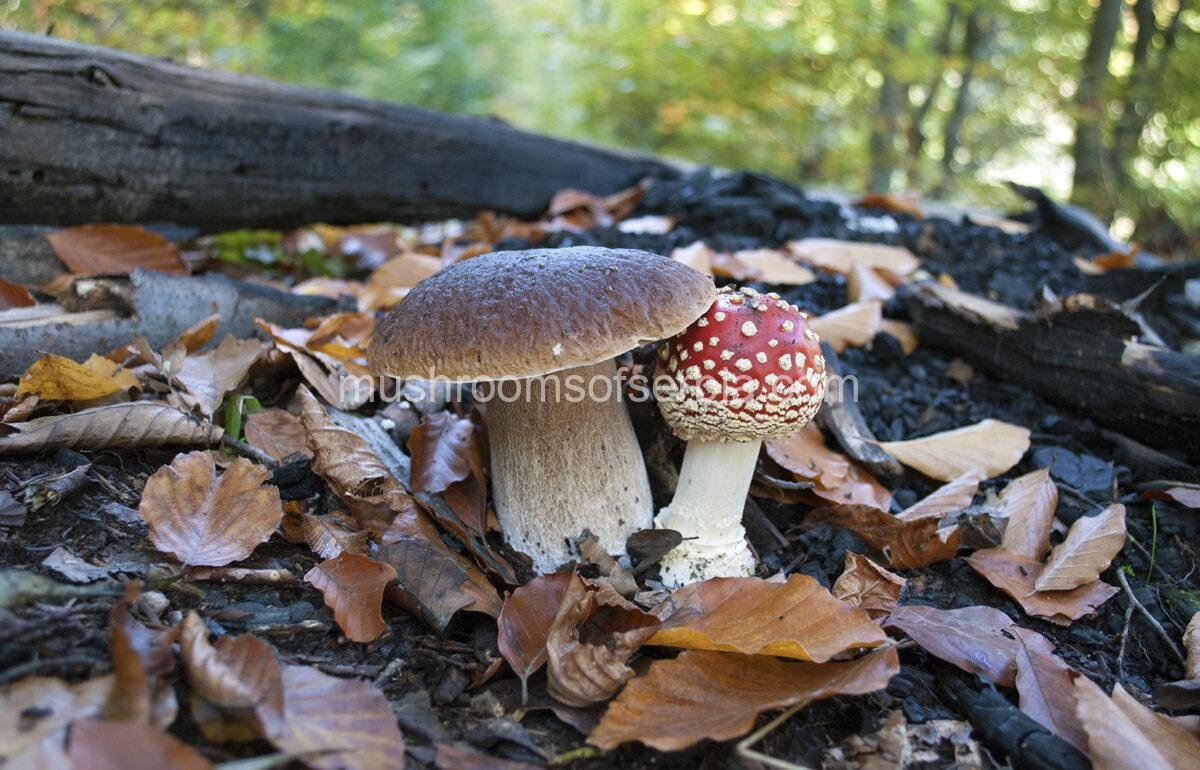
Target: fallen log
column 89, row 134
column 1081, row 352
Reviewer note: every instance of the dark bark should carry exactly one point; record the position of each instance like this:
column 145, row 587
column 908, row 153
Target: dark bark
column 1091, row 189
column 917, row 137
column 1077, row 354
column 89, row 134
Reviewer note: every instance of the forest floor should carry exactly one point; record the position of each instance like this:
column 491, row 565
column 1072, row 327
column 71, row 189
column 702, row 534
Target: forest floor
column 450, row 689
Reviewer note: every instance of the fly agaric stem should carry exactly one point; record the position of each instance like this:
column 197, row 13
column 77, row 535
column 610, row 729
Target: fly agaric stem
column 707, row 506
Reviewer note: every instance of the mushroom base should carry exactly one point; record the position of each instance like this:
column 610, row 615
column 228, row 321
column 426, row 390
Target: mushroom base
column 707, row 508
column 561, row 465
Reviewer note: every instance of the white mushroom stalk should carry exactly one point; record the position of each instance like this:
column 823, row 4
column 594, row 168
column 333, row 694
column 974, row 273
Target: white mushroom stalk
column 748, row 369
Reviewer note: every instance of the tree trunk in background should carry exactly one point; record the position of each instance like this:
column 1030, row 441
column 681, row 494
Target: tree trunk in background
column 974, row 37
column 885, row 127
column 1092, row 175
column 916, row 135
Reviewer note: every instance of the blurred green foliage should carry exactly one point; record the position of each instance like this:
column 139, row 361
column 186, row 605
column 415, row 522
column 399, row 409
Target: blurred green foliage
column 790, row 87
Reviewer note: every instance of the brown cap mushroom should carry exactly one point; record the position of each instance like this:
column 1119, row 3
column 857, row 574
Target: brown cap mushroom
column 748, row 369
column 563, row 453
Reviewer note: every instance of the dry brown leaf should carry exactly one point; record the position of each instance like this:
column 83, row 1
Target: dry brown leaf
column 976, row 639
column 697, row 256
column 1047, row 692
column 395, row 278
column 899, row 204
column 948, row 498
column 852, row 325
column 718, row 695
column 352, row 586
column 115, row 250
column 116, row 426
column 357, row 475
column 1102, row 263
column 858, row 488
column 863, row 284
column 347, row 717
column 1114, row 739
column 208, row 377
column 55, row 378
column 458, row 757
column 277, row 432
column 1090, row 546
column 440, row 448
column 582, row 672
column 327, row 536
column 1179, row 744
column 906, row 544
column 796, row 619
column 198, row 334
column 804, row 453
column 349, row 329
column 104, row 745
column 1029, row 503
column 204, row 520
column 18, row 409
column 863, row 583
column 1188, row 497
column 990, row 447
column 774, row 267
column 841, row 256
column 435, row 583
column 141, row 659
column 239, row 676
column 13, row 295
column 55, row 703
column 1015, row 575
column 524, row 622
column 1191, row 646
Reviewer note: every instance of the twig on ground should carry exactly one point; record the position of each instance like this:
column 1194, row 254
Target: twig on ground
column 1124, row 640
column 244, row 575
column 744, row 750
column 46, row 665
column 1162, row 632
column 244, row 449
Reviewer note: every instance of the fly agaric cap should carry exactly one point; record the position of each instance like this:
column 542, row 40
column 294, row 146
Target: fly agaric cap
column 749, row 368
column 518, row 314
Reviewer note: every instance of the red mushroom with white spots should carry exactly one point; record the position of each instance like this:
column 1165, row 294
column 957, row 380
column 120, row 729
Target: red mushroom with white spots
column 748, row 369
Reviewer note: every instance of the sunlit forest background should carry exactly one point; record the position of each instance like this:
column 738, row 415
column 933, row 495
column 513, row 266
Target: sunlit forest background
column 1096, row 101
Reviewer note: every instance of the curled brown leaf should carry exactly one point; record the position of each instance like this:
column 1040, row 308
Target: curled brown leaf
column 352, row 586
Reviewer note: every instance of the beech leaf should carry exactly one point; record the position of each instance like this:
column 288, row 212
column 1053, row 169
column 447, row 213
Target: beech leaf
column 1047, row 693
column 990, row 447
column 951, row 497
column 14, row 295
column 906, row 544
column 240, row 676
column 1016, row 575
column 796, row 619
column 349, row 719
column 863, row 583
column 277, row 432
column 972, row 638
column 1029, row 503
column 141, row 660
column 105, row 745
column 774, row 267
column 352, row 586
column 56, row 703
column 804, row 453
column 133, row 425
column 849, row 326
column 524, row 621
column 55, row 378
column 435, row 583
column 205, row 520
column 719, row 695
column 328, row 536
column 1116, row 735
column 842, row 256
column 208, row 377
column 1089, row 548
column 582, row 672
column 115, row 250
column 440, row 448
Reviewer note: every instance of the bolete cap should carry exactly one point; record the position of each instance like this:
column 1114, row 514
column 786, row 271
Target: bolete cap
column 517, row 314
column 749, row 368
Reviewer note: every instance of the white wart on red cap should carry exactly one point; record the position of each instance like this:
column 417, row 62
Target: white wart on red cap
column 749, row 368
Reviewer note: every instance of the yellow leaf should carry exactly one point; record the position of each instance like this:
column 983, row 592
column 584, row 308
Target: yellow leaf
column 56, row 378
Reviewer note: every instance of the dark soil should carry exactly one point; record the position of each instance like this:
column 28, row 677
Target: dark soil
column 901, row 397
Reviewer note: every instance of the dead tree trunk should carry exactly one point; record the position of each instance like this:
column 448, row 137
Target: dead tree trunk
column 89, row 134
column 1077, row 353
